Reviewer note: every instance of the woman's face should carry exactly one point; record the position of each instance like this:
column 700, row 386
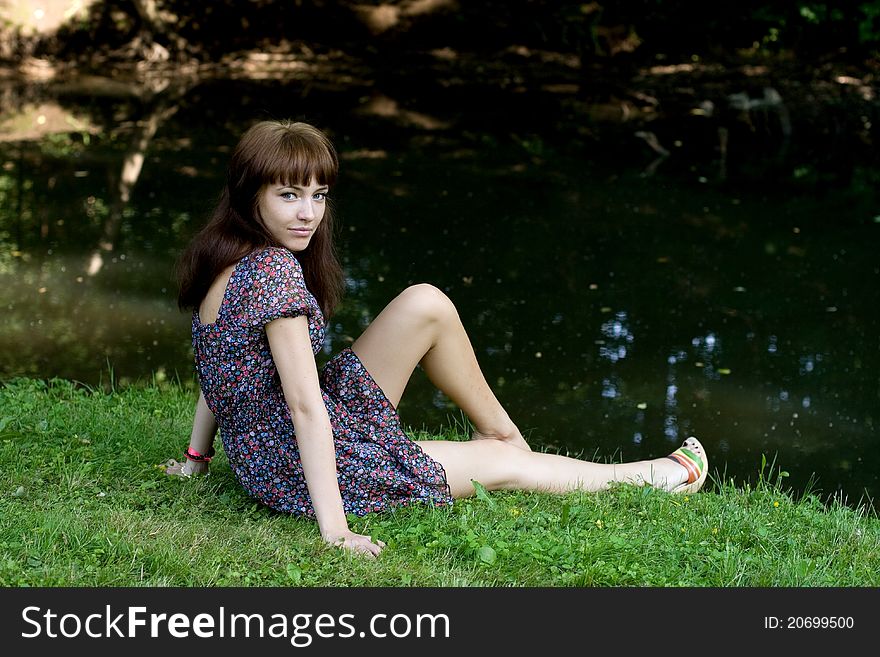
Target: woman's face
column 292, row 213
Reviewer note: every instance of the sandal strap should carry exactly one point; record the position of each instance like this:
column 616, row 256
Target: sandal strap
column 193, row 455
column 690, row 461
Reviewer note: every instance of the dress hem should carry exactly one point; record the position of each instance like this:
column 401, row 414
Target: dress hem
column 377, row 387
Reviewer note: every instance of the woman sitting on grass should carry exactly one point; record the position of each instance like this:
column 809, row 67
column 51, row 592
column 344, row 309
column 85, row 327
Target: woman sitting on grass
column 261, row 278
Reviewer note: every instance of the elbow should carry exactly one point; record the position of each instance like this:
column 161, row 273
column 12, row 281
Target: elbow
column 304, row 411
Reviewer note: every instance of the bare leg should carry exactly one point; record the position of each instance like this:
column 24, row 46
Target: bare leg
column 498, row 466
column 421, row 326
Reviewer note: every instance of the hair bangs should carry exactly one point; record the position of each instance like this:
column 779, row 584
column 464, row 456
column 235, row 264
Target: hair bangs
column 299, row 160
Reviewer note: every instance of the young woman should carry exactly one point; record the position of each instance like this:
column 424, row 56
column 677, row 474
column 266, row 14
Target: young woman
column 261, row 277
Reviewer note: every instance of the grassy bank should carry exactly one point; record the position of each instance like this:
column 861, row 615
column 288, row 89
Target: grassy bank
column 84, row 503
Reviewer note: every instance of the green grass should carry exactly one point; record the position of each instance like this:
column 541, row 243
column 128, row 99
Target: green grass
column 84, row 503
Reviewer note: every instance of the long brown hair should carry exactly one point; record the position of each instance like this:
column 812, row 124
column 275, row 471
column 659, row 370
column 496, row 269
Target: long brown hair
column 270, row 152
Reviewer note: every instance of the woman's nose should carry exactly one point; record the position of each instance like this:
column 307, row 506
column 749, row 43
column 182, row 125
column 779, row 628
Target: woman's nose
column 306, row 210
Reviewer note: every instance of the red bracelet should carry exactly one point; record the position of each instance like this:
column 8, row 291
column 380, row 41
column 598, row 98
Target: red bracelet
column 193, row 455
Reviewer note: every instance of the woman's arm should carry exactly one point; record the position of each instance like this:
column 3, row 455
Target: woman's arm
column 201, row 441
column 292, row 353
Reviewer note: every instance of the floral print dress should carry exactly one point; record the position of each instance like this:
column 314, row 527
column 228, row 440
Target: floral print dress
column 377, row 465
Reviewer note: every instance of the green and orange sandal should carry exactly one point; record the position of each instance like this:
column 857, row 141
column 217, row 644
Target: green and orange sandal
column 692, row 457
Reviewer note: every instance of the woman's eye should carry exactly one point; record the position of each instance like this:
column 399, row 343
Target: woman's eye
column 288, row 196
column 320, row 196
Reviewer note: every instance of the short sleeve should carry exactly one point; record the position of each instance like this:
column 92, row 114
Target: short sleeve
column 277, row 288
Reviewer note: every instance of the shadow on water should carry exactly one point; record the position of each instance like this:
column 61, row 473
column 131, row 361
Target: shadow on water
column 620, row 295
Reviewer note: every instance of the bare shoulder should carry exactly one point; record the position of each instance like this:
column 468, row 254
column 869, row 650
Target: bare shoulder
column 210, row 306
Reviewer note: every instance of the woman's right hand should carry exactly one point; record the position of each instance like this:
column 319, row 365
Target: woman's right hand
column 356, row 543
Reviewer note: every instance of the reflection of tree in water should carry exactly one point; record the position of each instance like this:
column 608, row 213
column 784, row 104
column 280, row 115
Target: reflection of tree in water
column 157, row 108
column 707, row 354
column 671, row 429
column 613, row 347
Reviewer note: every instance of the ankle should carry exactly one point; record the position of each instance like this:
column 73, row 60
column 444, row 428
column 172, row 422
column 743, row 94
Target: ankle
column 507, row 433
column 194, row 467
column 502, row 428
column 666, row 473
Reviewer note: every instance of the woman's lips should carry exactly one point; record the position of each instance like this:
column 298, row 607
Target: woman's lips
column 301, row 232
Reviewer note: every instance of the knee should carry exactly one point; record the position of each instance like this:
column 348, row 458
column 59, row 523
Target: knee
column 508, row 466
column 498, row 465
column 427, row 302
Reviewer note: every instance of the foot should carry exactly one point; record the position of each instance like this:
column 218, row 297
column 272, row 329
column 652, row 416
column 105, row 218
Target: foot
column 184, row 470
column 689, row 467
column 511, row 435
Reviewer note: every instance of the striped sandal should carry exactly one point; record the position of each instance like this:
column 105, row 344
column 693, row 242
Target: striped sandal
column 692, row 457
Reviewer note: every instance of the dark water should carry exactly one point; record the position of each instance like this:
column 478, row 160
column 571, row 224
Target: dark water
column 615, row 308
